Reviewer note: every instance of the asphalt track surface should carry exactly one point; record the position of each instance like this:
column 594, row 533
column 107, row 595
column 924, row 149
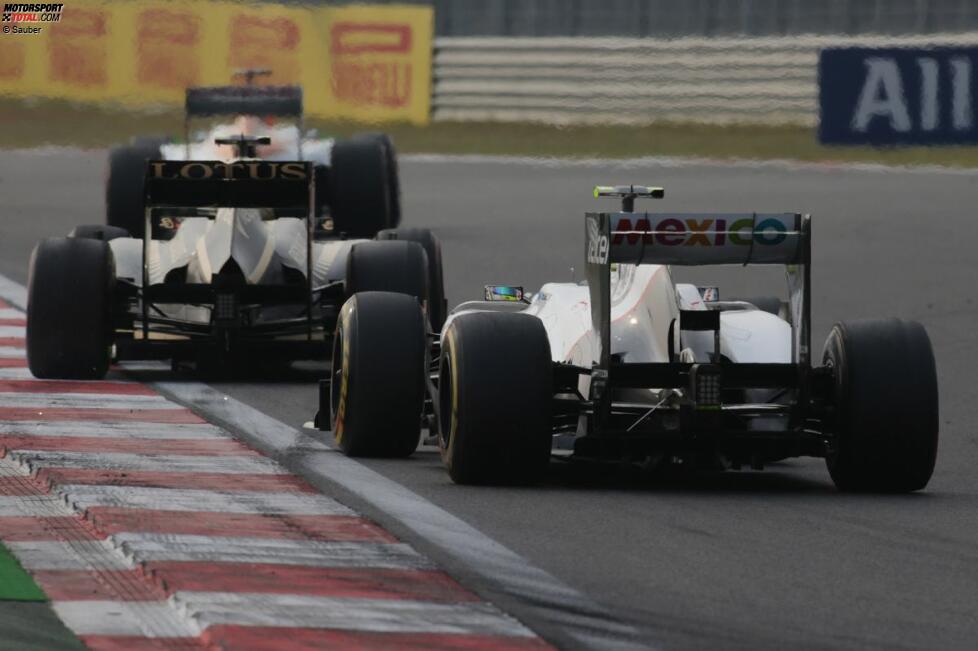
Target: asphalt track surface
column 741, row 560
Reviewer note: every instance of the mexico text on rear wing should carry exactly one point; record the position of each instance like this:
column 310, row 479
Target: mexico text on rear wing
column 691, row 238
column 697, row 239
column 705, row 238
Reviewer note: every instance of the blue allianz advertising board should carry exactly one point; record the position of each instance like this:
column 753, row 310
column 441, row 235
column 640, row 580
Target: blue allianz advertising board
column 897, row 96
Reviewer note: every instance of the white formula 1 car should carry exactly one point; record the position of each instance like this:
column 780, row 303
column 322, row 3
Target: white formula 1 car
column 632, row 367
column 358, row 177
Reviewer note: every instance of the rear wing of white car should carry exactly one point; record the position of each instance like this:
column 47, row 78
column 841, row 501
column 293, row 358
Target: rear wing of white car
column 259, row 101
column 272, row 101
column 627, row 237
column 705, row 238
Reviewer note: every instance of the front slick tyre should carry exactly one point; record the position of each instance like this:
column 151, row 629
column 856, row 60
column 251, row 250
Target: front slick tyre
column 886, row 420
column 377, row 390
column 495, row 395
column 69, row 307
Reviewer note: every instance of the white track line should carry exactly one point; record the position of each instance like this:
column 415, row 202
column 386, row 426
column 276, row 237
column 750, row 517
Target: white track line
column 16, row 374
column 13, row 331
column 85, row 401
column 228, row 464
column 130, row 430
column 371, row 615
column 10, row 292
column 147, row 547
column 123, row 618
column 35, row 506
column 685, row 162
column 60, row 555
column 14, row 293
column 11, row 313
column 173, row 499
column 9, row 352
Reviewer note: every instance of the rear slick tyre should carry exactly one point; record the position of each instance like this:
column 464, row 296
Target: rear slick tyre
column 400, row 267
column 69, row 309
column 125, row 183
column 359, row 187
column 378, row 386
column 495, row 399
column 393, row 175
column 437, row 304
column 886, row 405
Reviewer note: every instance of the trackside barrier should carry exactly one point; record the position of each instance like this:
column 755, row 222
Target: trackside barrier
column 376, row 63
column 627, row 80
column 898, row 96
column 367, row 63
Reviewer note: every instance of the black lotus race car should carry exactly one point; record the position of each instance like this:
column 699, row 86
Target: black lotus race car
column 245, row 271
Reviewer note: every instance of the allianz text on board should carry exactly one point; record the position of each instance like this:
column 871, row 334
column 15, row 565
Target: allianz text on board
column 897, row 96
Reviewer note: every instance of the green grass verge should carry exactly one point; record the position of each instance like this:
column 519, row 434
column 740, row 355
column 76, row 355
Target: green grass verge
column 37, row 123
column 27, row 621
column 15, row 583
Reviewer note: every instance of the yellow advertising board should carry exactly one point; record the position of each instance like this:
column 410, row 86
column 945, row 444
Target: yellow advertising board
column 366, row 63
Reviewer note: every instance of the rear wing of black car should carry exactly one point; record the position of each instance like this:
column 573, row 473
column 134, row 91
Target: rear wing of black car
column 287, row 185
column 694, row 239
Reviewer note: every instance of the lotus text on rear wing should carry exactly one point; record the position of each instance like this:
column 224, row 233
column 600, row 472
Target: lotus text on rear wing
column 238, row 171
